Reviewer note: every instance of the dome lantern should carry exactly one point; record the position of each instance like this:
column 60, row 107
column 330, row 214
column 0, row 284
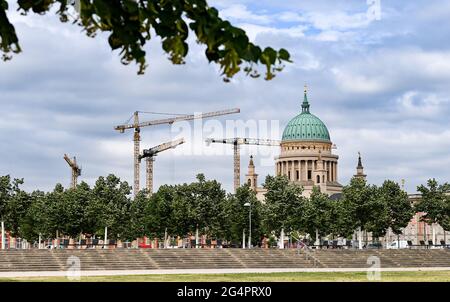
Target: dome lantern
column 305, row 104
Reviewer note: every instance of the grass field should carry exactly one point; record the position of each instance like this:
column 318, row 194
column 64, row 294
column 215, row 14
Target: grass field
column 414, row 276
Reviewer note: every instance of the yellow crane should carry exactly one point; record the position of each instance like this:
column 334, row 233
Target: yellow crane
column 76, row 170
column 136, row 125
column 149, row 155
column 236, row 142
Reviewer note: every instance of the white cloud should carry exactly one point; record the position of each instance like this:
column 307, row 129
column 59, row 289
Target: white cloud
column 357, row 83
column 289, row 17
column 254, row 30
column 414, row 103
column 372, row 86
column 337, row 20
column 239, row 12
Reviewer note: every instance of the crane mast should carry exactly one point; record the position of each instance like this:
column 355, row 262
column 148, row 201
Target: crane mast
column 76, row 170
column 136, row 140
column 236, row 142
column 149, row 155
column 136, row 125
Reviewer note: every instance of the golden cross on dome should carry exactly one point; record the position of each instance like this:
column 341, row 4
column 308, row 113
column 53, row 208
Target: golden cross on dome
column 306, row 87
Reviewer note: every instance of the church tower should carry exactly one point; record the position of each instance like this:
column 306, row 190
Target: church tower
column 360, row 169
column 251, row 177
column 320, row 174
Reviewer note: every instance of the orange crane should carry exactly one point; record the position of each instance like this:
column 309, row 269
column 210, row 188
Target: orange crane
column 149, row 155
column 138, row 125
column 76, row 170
column 236, row 142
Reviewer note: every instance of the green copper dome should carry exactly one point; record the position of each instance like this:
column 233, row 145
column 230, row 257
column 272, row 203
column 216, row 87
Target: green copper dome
column 306, row 127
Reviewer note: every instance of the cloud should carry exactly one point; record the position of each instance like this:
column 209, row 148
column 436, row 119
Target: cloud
column 239, row 12
column 380, row 87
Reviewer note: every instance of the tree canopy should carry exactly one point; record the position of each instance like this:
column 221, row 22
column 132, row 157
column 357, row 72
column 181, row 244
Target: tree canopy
column 435, row 203
column 283, row 204
column 129, row 24
column 203, row 205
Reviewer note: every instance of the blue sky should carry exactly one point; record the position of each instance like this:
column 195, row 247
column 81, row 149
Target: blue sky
column 381, row 87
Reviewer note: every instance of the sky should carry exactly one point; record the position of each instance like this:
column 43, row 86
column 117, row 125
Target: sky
column 377, row 72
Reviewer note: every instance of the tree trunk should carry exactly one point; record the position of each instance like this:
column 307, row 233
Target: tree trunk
column 165, row 238
column 106, row 238
column 317, row 242
column 359, row 239
column 3, row 235
column 196, row 238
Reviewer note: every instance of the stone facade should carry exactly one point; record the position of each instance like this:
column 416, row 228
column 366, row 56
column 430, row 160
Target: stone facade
column 309, row 164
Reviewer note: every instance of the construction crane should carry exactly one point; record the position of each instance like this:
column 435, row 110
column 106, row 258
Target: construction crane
column 138, row 125
column 149, row 155
column 236, row 142
column 76, row 170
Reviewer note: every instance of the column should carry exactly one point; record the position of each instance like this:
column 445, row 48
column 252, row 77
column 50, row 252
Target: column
column 293, row 170
column 335, row 172
column 330, row 170
column 305, row 170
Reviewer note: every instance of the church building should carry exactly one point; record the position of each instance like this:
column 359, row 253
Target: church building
column 306, row 155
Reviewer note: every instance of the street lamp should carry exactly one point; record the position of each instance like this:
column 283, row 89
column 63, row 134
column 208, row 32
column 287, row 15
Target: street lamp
column 248, row 204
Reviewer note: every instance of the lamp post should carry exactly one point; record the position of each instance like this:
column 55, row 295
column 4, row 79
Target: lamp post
column 248, row 204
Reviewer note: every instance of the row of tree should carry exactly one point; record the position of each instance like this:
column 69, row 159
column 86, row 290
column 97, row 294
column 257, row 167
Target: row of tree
column 203, row 206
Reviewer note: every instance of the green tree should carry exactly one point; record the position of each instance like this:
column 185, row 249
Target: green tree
column 51, row 212
column 316, row 214
column 435, row 203
column 129, row 24
column 207, row 199
column 283, row 203
column 398, row 207
column 34, row 221
column 161, row 211
column 182, row 209
column 358, row 203
column 109, row 206
column 14, row 204
column 72, row 207
column 6, row 191
column 236, row 216
column 136, row 217
column 343, row 224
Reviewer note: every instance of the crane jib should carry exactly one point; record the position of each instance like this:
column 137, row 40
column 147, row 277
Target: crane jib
column 172, row 120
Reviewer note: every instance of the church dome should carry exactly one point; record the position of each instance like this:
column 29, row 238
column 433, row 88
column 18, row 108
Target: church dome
column 306, row 127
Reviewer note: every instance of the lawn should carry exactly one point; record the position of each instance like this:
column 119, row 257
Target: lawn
column 414, row 276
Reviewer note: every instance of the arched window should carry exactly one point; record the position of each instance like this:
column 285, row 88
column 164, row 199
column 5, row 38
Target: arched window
column 249, row 182
column 318, row 179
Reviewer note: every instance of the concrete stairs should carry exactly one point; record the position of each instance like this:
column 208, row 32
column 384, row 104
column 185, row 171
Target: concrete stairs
column 148, row 259
column 387, row 258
